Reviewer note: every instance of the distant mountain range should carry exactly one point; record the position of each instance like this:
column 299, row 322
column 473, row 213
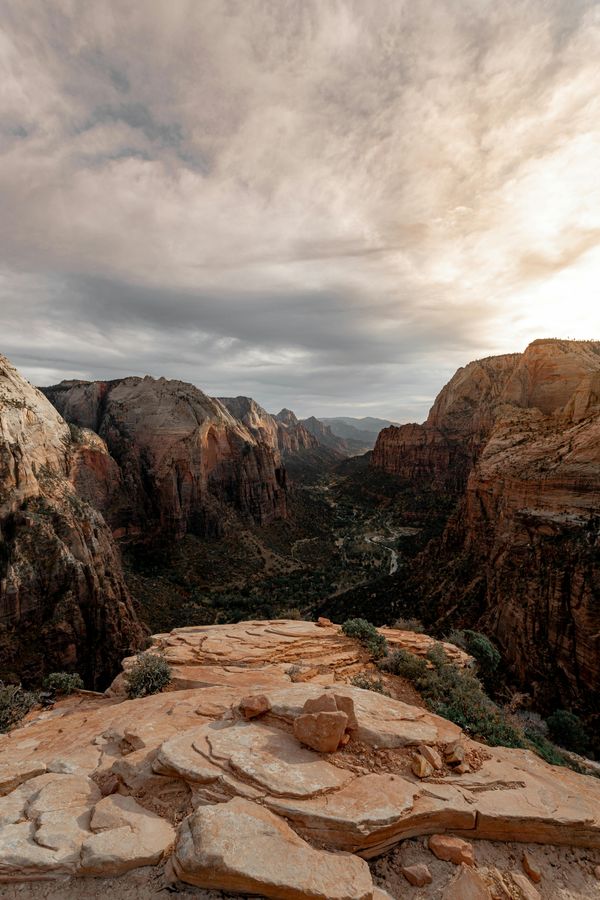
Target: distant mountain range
column 359, row 434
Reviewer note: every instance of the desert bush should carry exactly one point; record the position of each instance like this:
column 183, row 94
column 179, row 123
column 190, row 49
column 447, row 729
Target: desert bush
column 15, row 703
column 480, row 647
column 455, row 694
column 291, row 613
column 369, row 684
column 149, row 674
column 531, row 722
column 63, row 683
column 409, row 625
column 567, row 730
column 368, row 635
column 540, row 744
column 405, row 664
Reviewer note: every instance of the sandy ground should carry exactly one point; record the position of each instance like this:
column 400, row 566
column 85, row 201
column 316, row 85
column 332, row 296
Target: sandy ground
column 138, row 885
column 567, row 873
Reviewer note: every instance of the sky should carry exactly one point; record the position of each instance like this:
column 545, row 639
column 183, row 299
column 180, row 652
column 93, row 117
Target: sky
column 327, row 205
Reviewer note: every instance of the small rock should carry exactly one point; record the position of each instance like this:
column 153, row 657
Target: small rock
column 321, row 731
column 254, row 705
column 452, row 849
column 431, row 755
column 324, row 703
column 421, row 767
column 346, row 704
column 109, row 785
column 417, row 875
column 454, row 753
column 498, row 889
column 526, row 887
column 322, row 622
column 467, row 885
column 531, row 869
column 462, row 768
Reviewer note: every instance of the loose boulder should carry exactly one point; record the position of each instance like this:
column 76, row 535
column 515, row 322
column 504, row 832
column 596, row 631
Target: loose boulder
column 254, row 705
column 326, row 722
column 531, row 868
column 417, row 875
column 321, row 731
column 421, row 767
column 452, row 849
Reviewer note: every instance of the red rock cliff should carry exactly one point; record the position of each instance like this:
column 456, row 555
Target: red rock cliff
column 519, row 438
column 186, row 463
column 63, row 600
column 285, row 435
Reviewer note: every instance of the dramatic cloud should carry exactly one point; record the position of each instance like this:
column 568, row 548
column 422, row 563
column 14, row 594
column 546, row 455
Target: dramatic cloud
column 326, row 204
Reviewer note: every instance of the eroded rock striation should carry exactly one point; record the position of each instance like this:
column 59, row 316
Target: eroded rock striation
column 63, row 600
column 516, row 440
column 101, row 785
column 186, row 463
column 283, row 433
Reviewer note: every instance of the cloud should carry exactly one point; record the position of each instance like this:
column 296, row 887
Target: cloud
column 327, row 205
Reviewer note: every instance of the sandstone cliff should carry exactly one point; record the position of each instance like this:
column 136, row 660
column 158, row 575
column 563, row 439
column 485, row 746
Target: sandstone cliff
column 325, row 436
column 286, row 434
column 517, row 440
column 186, row 463
column 63, row 601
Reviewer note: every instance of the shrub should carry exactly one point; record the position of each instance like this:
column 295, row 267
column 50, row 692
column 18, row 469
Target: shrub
column 149, row 674
column 292, row 613
column 405, row 664
column 454, row 694
column 568, row 730
column 480, row 647
column 409, row 625
column 15, row 703
column 63, row 683
column 544, row 748
column 369, row 684
column 368, row 635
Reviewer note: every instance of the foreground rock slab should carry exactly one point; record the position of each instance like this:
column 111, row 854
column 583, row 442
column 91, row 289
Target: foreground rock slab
column 97, row 785
column 241, row 847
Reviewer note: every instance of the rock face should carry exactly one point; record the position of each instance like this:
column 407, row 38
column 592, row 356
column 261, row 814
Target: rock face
column 63, row 600
column 257, row 811
column 186, row 463
column 325, row 436
column 516, row 439
column 285, row 435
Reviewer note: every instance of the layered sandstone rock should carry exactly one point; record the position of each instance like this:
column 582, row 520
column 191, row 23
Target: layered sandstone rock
column 286, row 435
column 186, row 462
column 325, row 436
column 517, row 440
column 96, row 786
column 63, row 600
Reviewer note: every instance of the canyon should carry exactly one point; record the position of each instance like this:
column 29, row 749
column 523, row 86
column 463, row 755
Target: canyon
column 115, row 495
column 514, row 441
